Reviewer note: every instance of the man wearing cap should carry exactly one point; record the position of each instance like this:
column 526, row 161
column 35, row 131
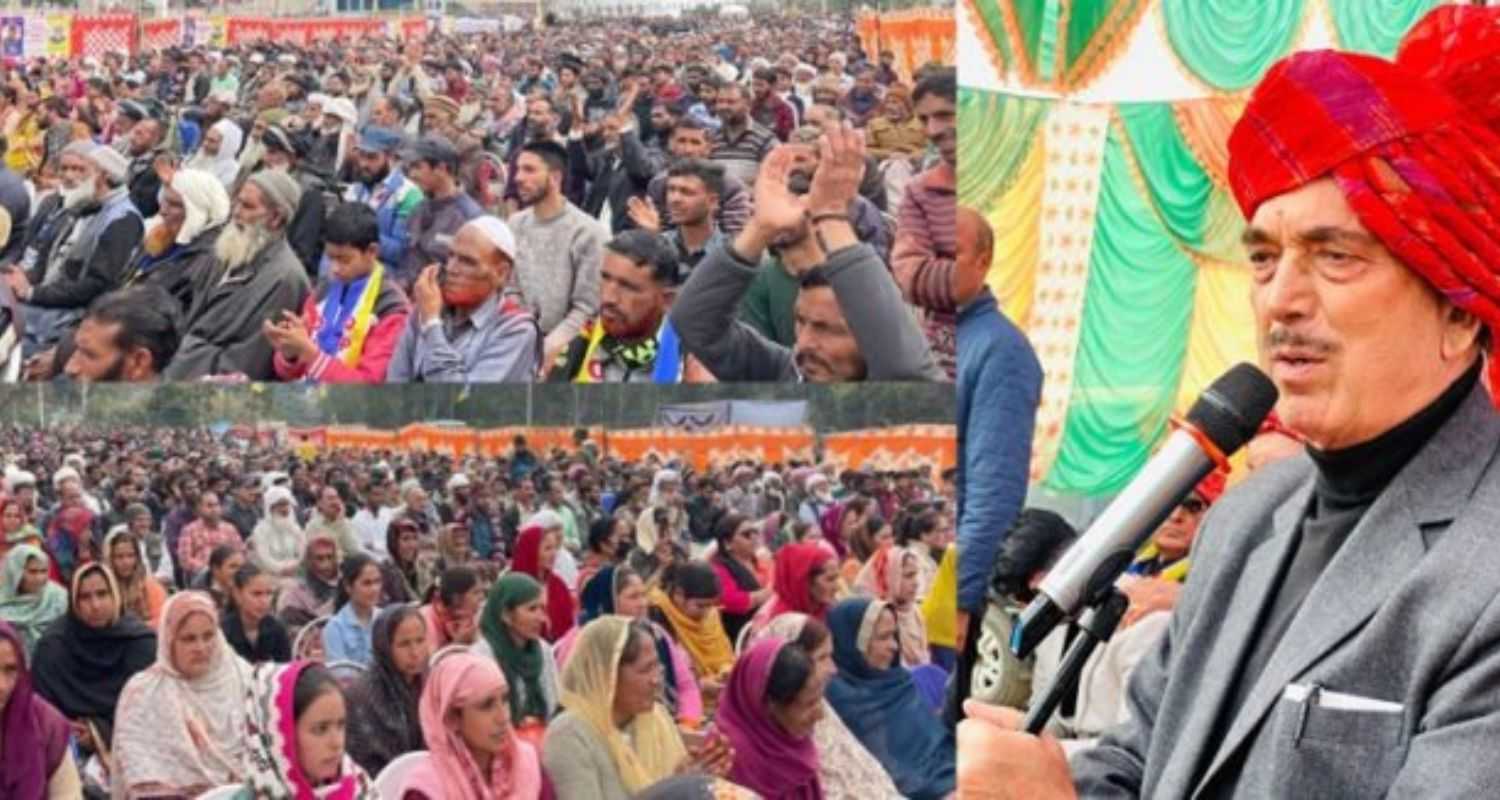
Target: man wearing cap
column 432, row 164
column 463, row 328
column 380, row 184
column 89, row 259
column 560, row 249
column 288, row 154
column 334, row 139
column 439, row 113
column 256, row 276
column 1338, row 636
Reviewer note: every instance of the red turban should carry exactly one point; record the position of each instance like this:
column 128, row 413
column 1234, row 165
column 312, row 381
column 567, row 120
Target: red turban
column 1212, row 487
column 1414, row 159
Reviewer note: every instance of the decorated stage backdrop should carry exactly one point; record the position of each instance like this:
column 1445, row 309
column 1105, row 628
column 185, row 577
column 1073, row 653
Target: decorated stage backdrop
column 1092, row 136
column 915, row 36
column 25, row 36
column 888, row 448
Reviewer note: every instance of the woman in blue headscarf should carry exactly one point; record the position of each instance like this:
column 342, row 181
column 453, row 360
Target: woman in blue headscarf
column 877, row 699
column 620, row 590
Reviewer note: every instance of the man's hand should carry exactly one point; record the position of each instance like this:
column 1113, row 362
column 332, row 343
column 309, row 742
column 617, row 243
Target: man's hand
column 777, row 209
column 550, row 354
column 39, row 366
column 841, row 168
column 427, row 296
column 19, row 284
column 1148, row 596
column 644, row 214
column 999, row 761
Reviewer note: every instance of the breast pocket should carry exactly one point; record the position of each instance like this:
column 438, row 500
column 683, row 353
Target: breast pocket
column 1333, row 744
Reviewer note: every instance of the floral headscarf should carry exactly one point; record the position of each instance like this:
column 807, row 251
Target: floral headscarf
column 274, row 771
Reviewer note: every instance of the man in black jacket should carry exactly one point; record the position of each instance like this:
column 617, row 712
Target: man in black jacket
column 90, row 256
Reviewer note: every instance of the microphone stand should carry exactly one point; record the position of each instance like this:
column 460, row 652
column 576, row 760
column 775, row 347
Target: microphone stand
column 1096, row 626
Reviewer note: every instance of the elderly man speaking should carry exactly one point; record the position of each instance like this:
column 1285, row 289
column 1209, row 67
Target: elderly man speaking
column 1339, row 636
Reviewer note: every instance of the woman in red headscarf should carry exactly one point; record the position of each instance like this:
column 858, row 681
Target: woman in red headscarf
column 807, row 580
column 536, row 547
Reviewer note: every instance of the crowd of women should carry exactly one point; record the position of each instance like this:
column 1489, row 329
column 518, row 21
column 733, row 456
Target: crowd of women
column 537, row 625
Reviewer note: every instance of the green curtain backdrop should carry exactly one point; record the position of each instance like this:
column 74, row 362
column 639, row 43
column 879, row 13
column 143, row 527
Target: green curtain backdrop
column 1094, row 29
column 1376, row 26
column 995, row 132
column 993, row 20
column 1196, row 212
column 1133, row 338
column 1229, row 44
column 1037, row 21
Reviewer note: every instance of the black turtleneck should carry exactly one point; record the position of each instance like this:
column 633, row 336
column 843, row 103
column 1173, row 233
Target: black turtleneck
column 1347, row 484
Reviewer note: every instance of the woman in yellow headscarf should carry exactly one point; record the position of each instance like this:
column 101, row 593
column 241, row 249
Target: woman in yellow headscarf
column 614, row 739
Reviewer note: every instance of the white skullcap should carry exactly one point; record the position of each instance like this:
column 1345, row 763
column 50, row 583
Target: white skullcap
column 343, row 108
column 63, row 474
column 109, row 161
column 496, row 232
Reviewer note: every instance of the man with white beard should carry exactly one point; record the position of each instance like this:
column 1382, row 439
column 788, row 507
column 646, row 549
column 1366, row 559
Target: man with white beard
column 90, row 252
column 256, row 276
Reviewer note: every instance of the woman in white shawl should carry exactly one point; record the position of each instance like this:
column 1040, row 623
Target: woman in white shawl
column 219, row 153
column 180, row 726
column 277, row 543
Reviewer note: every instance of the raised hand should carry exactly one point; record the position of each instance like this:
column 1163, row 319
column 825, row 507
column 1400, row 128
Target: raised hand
column 644, row 214
column 841, row 169
column 777, row 209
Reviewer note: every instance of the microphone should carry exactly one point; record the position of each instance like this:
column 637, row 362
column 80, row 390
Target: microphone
column 1224, row 418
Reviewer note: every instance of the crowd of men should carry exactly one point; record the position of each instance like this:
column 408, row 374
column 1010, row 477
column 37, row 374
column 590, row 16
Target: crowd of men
column 750, row 200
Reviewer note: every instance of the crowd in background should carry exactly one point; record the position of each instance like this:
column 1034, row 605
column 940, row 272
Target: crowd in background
column 732, row 200
column 181, row 611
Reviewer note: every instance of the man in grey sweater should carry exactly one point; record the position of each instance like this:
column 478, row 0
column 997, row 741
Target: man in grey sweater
column 558, row 250
column 852, row 324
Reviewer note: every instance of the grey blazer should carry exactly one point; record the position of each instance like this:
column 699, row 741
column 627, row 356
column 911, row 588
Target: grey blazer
column 1400, row 636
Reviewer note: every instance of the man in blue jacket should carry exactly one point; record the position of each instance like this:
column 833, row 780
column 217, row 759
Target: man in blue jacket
column 999, row 389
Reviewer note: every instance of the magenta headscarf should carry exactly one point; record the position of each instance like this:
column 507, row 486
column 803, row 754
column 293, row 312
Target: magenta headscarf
column 274, row 768
column 27, row 721
column 457, row 679
column 766, row 759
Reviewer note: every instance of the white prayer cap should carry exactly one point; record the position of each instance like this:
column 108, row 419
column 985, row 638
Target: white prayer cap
column 496, row 232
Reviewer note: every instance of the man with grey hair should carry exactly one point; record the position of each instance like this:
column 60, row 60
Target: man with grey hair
column 89, row 257
column 256, row 276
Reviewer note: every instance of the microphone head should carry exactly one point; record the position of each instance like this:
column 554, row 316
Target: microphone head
column 1231, row 410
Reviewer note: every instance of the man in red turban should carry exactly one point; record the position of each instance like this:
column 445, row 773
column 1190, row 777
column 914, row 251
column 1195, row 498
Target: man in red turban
column 1339, row 634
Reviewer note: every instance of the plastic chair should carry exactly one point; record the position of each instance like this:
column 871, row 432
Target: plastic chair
column 391, row 781
column 310, row 629
column 346, row 672
column 222, row 792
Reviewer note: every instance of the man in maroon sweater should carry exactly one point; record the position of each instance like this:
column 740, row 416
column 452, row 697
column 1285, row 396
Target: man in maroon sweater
column 926, row 228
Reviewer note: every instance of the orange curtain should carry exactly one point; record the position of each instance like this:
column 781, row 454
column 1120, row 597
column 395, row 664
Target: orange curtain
column 897, row 448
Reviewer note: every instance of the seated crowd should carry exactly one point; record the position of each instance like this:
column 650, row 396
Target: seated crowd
column 178, row 615
column 435, row 213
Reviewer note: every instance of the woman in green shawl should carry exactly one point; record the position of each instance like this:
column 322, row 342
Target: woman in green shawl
column 510, row 628
column 28, row 599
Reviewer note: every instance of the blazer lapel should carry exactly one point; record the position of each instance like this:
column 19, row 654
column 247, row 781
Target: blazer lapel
column 1380, row 551
column 1231, row 632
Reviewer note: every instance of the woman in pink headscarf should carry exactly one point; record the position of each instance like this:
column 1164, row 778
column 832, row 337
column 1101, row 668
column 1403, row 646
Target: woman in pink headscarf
column 772, row 703
column 473, row 754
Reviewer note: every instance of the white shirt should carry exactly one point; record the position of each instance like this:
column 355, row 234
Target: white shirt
column 371, row 529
